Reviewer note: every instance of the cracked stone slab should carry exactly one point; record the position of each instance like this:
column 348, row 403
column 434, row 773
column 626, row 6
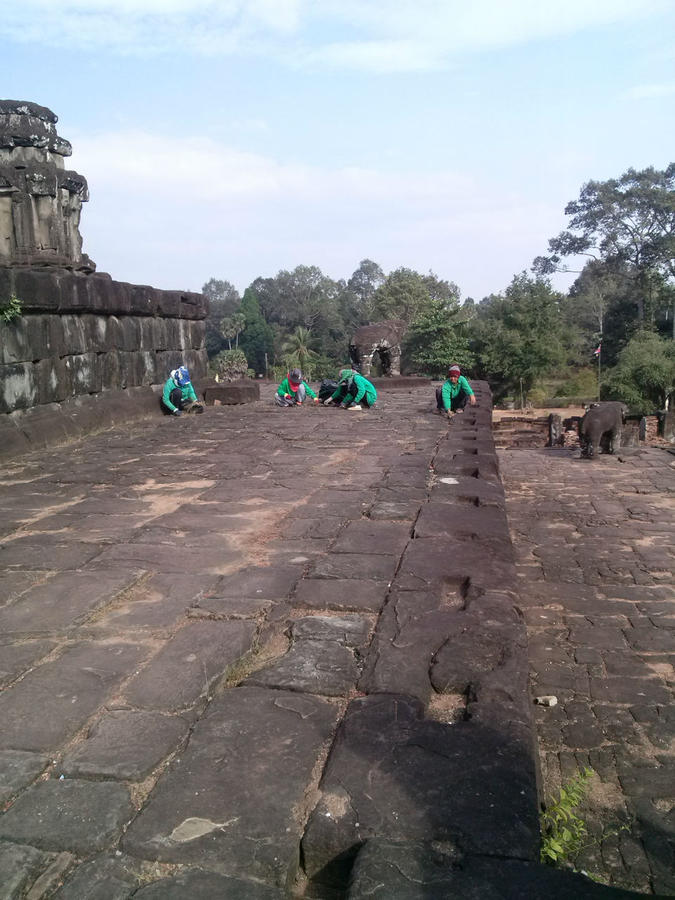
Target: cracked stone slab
column 101, row 878
column 394, row 509
column 411, row 629
column 261, row 582
column 314, row 667
column 393, row 774
column 198, row 885
column 341, row 594
column 13, row 584
column 416, row 871
column 43, row 552
column 360, row 566
column 62, row 694
column 447, row 520
column 80, row 816
column 126, row 745
column 350, row 631
column 65, row 600
column 20, row 865
column 429, row 563
column 17, row 769
column 367, row 536
column 165, row 558
column 16, row 658
column 189, row 663
column 230, row 607
column 229, row 803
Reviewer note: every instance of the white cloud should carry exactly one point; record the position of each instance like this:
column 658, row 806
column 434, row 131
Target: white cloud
column 645, row 91
column 379, row 35
column 174, row 220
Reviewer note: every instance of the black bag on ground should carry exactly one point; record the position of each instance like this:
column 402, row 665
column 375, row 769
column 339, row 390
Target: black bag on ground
column 327, row 389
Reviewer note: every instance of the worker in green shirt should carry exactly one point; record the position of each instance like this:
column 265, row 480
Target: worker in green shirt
column 452, row 396
column 352, row 391
column 293, row 391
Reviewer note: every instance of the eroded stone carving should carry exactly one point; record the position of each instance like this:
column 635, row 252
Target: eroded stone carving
column 40, row 200
column 383, row 338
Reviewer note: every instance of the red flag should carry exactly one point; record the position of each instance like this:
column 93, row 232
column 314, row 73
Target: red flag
column 596, row 352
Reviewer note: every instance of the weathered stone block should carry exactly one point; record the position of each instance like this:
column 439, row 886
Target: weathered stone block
column 230, row 394
column 74, row 293
column 143, row 300
column 74, row 337
column 38, row 291
column 18, row 387
column 95, row 332
column 86, row 373
column 54, row 379
column 169, row 304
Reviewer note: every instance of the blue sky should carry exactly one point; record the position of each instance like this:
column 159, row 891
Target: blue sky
column 233, row 139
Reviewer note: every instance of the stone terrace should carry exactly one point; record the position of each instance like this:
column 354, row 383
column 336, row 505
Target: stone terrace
column 268, row 653
column 595, row 542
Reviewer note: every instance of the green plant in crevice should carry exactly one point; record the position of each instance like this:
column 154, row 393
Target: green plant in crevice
column 563, row 832
column 10, row 309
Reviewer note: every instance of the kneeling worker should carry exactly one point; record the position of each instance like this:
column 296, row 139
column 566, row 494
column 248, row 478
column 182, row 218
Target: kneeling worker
column 453, row 395
column 352, row 391
column 178, row 395
column 293, row 390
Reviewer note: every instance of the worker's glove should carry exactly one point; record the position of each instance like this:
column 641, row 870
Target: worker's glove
column 316, row 399
column 450, row 413
column 328, row 401
column 287, row 396
column 177, row 412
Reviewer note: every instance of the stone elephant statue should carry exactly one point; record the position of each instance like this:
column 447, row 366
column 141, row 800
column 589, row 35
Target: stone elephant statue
column 600, row 419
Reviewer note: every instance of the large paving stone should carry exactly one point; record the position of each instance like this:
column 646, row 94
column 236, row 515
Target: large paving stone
column 367, row 536
column 360, row 566
column 232, row 802
column 19, row 867
column 449, row 520
column 125, row 744
column 65, row 600
column 259, row 582
column 393, row 774
column 189, row 663
column 166, row 558
column 35, row 552
column 341, row 594
column 13, row 584
column 414, row 871
column 430, row 563
column 314, row 667
column 15, row 658
column 197, row 885
column 101, row 878
column 80, row 816
column 62, row 694
column 17, row 769
column 412, row 628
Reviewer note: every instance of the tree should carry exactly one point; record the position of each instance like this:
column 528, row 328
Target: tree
column 231, row 327
column 518, row 336
column 436, row 339
column 257, row 338
column 362, row 285
column 402, row 296
column 298, row 350
column 644, row 376
column 223, row 301
column 628, row 222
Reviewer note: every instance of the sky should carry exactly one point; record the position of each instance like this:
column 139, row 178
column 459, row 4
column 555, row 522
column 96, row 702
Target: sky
column 232, row 139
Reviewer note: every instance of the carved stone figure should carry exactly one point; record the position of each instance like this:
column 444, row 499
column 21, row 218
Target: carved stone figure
column 40, row 200
column 383, row 338
column 600, row 419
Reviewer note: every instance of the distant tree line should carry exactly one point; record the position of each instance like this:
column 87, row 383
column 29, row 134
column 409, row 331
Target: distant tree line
column 528, row 341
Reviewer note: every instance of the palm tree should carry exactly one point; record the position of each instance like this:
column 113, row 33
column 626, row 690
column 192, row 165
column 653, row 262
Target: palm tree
column 298, row 351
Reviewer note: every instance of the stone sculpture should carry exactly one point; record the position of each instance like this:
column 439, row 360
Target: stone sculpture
column 383, row 338
column 40, row 200
column 600, row 419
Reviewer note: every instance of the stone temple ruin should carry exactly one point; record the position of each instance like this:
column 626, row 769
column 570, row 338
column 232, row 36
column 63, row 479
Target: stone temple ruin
column 381, row 340
column 84, row 345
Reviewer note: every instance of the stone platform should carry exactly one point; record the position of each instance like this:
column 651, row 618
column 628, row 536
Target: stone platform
column 264, row 653
column 595, row 545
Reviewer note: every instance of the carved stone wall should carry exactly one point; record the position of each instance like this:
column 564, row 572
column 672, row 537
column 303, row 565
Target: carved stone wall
column 79, row 333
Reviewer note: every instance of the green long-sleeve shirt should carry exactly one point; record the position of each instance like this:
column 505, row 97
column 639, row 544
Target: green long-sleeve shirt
column 450, row 390
column 362, row 387
column 285, row 388
column 187, row 393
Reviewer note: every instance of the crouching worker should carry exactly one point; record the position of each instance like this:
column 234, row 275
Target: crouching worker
column 178, row 395
column 353, row 391
column 453, row 395
column 293, row 391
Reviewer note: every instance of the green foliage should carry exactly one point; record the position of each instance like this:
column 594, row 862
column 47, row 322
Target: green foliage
column 230, row 365
column 223, row 301
column 10, row 309
column 298, row 350
column 581, row 382
column 402, row 296
column 563, row 832
column 257, row 338
column 435, row 340
column 644, row 376
column 518, row 336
